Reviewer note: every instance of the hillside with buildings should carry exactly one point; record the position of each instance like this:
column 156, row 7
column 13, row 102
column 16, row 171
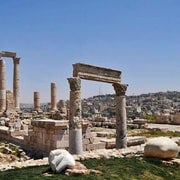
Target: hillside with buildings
column 151, row 105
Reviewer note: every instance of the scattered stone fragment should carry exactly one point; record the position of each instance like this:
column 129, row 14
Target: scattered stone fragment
column 161, row 147
column 59, row 159
column 79, row 168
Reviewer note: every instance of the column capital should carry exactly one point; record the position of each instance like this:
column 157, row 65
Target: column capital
column 120, row 89
column 75, row 83
column 16, row 60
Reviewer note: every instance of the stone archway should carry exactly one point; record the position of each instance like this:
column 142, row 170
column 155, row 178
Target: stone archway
column 95, row 73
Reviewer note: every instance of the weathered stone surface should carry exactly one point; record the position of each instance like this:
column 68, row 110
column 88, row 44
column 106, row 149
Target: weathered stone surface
column 75, row 141
column 48, row 134
column 62, row 111
column 121, row 125
column 16, row 80
column 7, row 54
column 161, row 147
column 75, row 83
column 79, row 168
column 120, row 89
column 10, row 106
column 53, row 97
column 136, row 140
column 75, row 119
column 2, row 86
column 131, row 141
column 95, row 73
column 37, row 102
column 59, row 159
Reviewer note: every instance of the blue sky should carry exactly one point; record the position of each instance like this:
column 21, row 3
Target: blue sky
column 139, row 37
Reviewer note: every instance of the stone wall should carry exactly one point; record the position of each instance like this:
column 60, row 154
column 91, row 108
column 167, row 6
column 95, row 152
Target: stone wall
column 88, row 140
column 9, row 136
column 48, row 134
column 169, row 119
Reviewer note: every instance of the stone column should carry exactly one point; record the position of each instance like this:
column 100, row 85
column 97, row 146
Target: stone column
column 2, row 86
column 75, row 119
column 53, row 97
column 62, row 107
column 16, row 82
column 121, row 125
column 37, row 102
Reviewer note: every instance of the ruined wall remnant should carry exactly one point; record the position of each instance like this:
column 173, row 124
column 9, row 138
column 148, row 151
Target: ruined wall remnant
column 48, row 134
column 10, row 105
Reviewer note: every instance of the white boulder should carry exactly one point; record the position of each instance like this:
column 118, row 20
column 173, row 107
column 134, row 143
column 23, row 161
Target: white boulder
column 161, row 147
column 59, row 159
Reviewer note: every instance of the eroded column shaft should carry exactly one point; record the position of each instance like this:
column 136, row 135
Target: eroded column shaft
column 16, row 82
column 75, row 119
column 53, row 97
column 62, row 107
column 2, row 86
column 36, row 101
column 121, row 126
column 121, row 119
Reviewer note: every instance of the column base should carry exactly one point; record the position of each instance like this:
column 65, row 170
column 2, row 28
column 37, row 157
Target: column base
column 121, row 143
column 75, row 141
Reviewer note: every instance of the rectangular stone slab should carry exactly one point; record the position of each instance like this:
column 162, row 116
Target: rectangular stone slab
column 95, row 73
column 7, row 54
column 50, row 123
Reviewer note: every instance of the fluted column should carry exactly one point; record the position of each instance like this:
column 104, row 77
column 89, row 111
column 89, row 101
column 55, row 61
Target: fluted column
column 16, row 82
column 75, row 119
column 53, row 97
column 121, row 124
column 2, row 86
column 36, row 101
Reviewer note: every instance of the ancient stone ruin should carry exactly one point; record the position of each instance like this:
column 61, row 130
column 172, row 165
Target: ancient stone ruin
column 60, row 127
column 16, row 81
column 9, row 101
column 94, row 73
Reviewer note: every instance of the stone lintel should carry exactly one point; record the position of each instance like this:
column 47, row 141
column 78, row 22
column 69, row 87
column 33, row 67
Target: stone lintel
column 50, row 123
column 95, row 73
column 7, row 54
